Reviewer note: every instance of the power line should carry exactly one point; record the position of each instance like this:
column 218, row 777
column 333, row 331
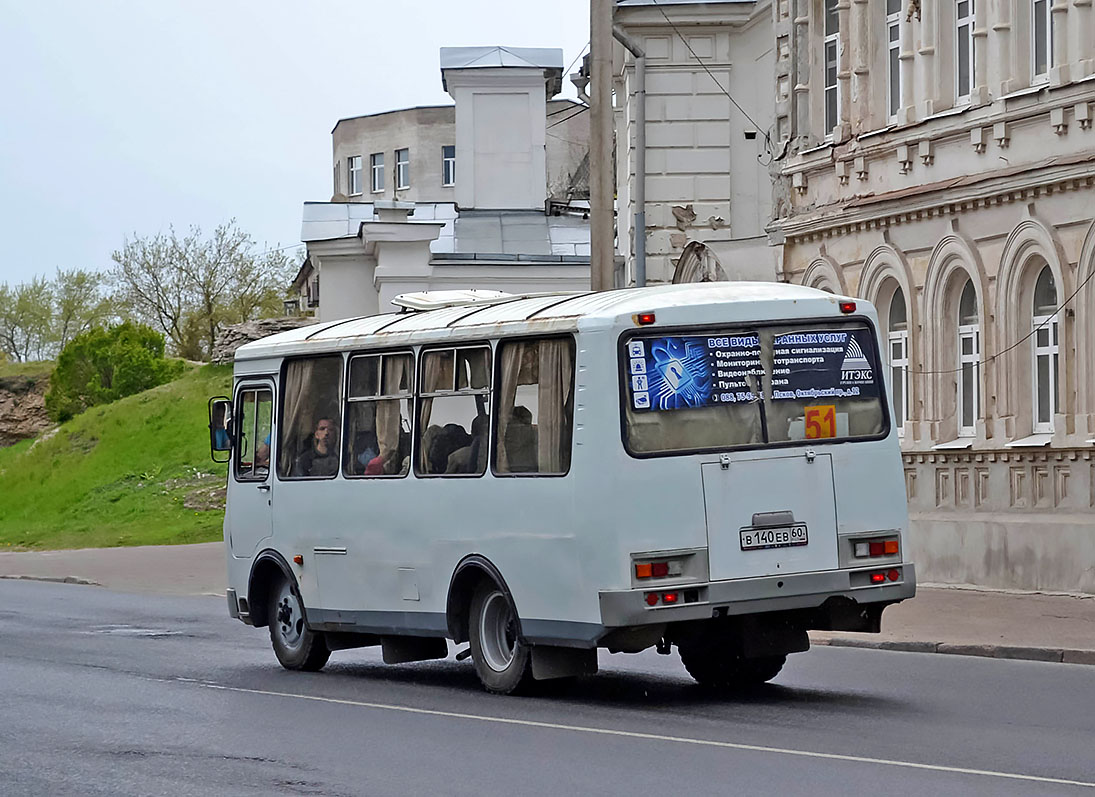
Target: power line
column 572, row 63
column 583, row 109
column 767, row 138
column 1017, row 343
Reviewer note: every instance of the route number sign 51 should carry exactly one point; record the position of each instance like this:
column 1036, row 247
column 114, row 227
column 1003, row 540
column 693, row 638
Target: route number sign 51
column 821, row 422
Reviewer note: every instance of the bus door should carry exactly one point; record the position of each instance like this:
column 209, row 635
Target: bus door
column 250, row 501
column 769, row 516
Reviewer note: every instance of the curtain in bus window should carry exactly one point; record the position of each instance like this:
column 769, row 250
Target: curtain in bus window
column 395, row 380
column 556, row 380
column 298, row 374
column 512, row 355
column 311, row 418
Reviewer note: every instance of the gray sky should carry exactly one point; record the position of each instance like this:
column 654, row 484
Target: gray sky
column 123, row 117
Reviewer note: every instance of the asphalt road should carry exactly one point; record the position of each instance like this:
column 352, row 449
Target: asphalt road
column 103, row 693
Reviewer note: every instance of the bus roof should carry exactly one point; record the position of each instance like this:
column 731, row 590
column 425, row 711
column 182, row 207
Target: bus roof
column 547, row 313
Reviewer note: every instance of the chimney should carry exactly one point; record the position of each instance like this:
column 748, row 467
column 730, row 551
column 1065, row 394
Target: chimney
column 501, row 96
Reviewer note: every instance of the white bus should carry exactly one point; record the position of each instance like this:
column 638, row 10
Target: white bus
column 712, row 467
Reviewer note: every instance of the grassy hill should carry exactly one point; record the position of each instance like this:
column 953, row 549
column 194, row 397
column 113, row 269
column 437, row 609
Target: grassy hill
column 135, row 472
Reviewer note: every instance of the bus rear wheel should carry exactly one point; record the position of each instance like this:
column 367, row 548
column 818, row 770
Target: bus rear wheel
column 721, row 669
column 296, row 646
column 502, row 659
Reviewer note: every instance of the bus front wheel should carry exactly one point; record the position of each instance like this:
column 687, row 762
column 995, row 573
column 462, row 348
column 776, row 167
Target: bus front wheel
column 719, row 668
column 502, row 659
column 296, row 646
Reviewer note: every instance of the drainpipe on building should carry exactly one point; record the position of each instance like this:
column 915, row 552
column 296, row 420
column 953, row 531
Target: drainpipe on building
column 639, row 231
column 602, row 221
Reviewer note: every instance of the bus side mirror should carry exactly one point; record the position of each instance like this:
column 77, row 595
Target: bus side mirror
column 220, row 428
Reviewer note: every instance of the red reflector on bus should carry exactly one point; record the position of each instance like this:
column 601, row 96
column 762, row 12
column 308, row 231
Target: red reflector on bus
column 298, row 559
column 643, row 319
column 847, row 307
column 669, row 597
column 659, row 569
column 878, row 578
column 651, row 598
column 894, row 575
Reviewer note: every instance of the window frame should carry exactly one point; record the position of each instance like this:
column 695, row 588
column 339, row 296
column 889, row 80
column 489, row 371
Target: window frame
column 420, row 395
column 376, row 170
column 1051, row 351
column 1036, row 77
column 968, row 22
column 971, row 332
column 900, row 377
column 830, row 39
column 497, row 376
column 347, row 400
column 402, row 169
column 353, row 175
column 704, row 329
column 237, row 448
column 448, row 166
column 893, row 65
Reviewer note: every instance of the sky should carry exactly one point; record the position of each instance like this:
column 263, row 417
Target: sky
column 121, row 118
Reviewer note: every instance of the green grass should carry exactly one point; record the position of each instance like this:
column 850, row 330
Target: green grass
column 33, row 369
column 118, row 474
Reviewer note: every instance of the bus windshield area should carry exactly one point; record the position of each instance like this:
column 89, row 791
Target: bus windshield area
column 751, row 387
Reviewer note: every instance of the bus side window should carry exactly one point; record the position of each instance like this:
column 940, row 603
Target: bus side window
column 310, row 418
column 378, row 413
column 535, row 407
column 453, row 412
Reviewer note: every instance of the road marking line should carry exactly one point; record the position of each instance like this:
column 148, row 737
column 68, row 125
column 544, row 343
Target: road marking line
column 658, row 737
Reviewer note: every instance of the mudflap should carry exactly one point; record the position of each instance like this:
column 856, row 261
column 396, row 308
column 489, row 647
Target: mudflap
column 550, row 662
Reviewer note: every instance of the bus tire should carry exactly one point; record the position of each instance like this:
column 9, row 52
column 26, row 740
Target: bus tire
column 502, row 659
column 296, row 646
column 720, row 669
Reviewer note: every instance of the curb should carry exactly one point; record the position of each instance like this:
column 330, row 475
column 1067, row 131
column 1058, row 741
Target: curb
column 1058, row 655
column 55, row 580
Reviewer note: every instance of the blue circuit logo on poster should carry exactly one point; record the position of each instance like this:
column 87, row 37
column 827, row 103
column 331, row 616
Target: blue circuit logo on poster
column 679, row 373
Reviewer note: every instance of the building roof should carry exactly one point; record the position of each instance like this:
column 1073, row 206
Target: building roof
column 542, row 313
column 677, row 2
column 548, row 59
column 509, row 235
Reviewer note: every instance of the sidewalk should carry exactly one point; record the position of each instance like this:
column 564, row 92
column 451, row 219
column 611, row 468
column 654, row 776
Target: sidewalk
column 939, row 620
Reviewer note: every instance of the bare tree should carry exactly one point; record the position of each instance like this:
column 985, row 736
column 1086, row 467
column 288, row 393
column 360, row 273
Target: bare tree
column 191, row 287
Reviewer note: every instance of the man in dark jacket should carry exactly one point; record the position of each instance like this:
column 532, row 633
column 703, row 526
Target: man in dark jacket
column 321, row 458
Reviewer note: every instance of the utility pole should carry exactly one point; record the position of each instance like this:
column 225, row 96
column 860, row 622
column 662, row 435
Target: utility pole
column 602, row 194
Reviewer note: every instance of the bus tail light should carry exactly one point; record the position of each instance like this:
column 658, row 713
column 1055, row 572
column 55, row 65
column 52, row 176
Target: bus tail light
column 878, row 578
column 669, row 597
column 847, row 307
column 644, row 319
column 663, row 569
column 891, row 547
column 863, row 549
column 652, row 599
column 894, row 574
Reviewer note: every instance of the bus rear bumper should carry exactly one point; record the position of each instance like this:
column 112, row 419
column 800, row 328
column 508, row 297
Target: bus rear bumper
column 798, row 591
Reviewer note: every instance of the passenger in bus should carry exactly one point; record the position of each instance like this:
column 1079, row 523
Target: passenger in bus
column 440, row 442
column 321, row 456
column 472, row 457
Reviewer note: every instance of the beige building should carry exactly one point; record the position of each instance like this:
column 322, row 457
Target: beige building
column 938, row 159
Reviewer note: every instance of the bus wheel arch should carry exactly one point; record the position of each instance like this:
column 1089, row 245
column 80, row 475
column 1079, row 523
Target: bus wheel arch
column 472, row 570
column 269, row 568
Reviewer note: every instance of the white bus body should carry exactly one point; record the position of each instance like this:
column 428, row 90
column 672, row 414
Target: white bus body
column 726, row 529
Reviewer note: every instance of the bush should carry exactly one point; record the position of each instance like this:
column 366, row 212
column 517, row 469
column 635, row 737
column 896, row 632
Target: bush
column 103, row 365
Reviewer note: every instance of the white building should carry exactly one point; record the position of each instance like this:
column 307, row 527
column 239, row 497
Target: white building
column 488, row 193
column 939, row 162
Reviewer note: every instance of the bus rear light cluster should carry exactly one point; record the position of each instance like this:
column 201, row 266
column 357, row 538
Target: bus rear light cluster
column 847, row 307
column 657, row 569
column 880, row 578
column 871, row 548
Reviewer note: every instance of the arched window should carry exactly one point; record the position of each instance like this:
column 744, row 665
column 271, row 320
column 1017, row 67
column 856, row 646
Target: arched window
column 898, row 337
column 1045, row 352
column 969, row 362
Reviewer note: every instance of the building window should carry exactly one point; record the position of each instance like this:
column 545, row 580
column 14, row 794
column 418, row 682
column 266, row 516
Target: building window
column 969, row 362
column 448, row 165
column 1041, row 48
column 376, row 164
column 832, row 45
column 898, row 339
column 1045, row 361
column 893, row 63
column 353, row 172
column 964, row 15
column 402, row 169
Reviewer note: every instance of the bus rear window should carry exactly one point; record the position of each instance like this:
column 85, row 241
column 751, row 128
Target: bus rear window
column 765, row 385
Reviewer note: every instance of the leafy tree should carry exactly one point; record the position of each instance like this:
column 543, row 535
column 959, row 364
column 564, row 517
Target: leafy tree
column 191, row 287
column 79, row 303
column 26, row 318
column 103, row 365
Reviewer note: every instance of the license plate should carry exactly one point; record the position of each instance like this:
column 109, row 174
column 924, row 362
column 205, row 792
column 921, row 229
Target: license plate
column 778, row 537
